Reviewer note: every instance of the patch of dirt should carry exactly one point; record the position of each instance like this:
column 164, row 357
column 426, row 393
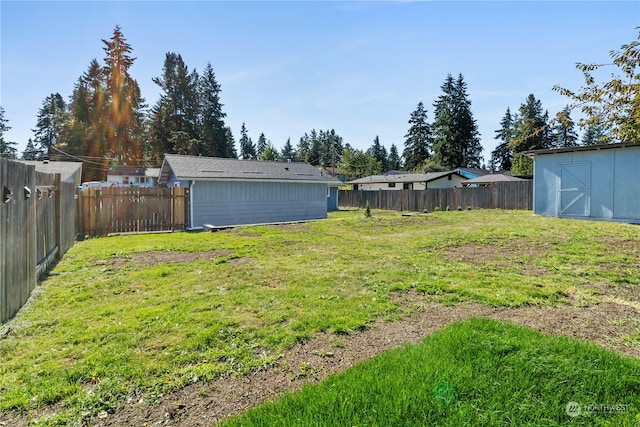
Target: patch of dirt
column 149, row 259
column 608, row 324
column 504, row 253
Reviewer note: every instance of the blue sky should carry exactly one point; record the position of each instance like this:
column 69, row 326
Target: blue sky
column 288, row 67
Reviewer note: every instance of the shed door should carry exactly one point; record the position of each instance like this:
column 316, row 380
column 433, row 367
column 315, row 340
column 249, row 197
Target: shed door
column 574, row 189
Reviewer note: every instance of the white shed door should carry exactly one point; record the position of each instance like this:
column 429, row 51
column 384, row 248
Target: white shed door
column 574, row 189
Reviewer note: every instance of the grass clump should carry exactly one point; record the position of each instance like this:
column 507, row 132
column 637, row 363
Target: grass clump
column 477, row 372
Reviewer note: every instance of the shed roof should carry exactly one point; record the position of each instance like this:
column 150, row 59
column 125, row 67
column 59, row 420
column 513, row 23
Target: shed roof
column 216, row 168
column 65, row 169
column 495, row 177
column 404, row 178
column 533, row 153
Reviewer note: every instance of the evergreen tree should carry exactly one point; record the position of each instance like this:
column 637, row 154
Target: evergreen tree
column 231, row 144
column 270, row 153
column 287, row 153
column 394, row 162
column 7, row 148
column 319, row 148
column 378, row 152
column 213, row 134
column 532, row 133
column 125, row 112
column 302, row 150
column 86, row 130
column 595, row 135
column 358, row 163
column 177, row 109
column 262, row 144
column 31, row 152
column 50, row 120
column 418, row 139
column 456, row 141
column 564, row 130
column 247, row 148
column 502, row 156
column 316, row 154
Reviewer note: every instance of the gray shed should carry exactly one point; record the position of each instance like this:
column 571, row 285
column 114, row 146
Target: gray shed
column 226, row 192
column 593, row 182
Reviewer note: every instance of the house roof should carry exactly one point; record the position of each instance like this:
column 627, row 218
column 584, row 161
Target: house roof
column 487, row 179
column 65, row 169
column 403, row 178
column 152, row 172
column 215, row 168
column 475, row 172
column 133, row 171
column 533, row 153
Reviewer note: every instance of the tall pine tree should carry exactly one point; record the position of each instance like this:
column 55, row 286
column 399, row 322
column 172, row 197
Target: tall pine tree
column 213, row 135
column 394, row 162
column 565, row 134
column 595, row 135
column 378, row 152
column 287, row 153
column 174, row 118
column 247, row 148
column 50, row 121
column 531, row 133
column 262, row 145
column 418, row 139
column 456, row 141
column 7, row 148
column 502, row 156
column 125, row 112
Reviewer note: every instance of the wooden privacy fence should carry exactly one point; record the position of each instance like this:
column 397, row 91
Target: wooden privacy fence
column 500, row 195
column 37, row 226
column 110, row 210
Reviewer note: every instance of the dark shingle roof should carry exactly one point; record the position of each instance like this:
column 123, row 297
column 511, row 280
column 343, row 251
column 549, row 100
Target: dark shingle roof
column 196, row 167
column 487, row 179
column 408, row 177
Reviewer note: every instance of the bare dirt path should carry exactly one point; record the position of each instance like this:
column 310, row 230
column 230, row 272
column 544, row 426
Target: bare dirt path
column 606, row 324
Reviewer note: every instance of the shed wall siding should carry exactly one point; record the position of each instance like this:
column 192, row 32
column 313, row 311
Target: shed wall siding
column 613, row 187
column 232, row 203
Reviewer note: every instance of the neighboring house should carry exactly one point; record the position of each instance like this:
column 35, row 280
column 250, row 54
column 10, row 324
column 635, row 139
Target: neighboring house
column 471, row 173
column 136, row 177
column 69, row 171
column 233, row 192
column 595, row 182
column 488, row 179
column 409, row 181
column 338, row 173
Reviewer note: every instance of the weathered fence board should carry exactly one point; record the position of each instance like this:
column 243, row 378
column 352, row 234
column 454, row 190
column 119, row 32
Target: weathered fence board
column 133, row 210
column 17, row 236
column 501, row 195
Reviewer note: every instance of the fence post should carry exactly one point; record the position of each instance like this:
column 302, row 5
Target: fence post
column 455, row 205
column 58, row 215
column 491, row 195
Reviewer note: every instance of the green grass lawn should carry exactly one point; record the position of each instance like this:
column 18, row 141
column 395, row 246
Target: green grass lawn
column 475, row 373
column 109, row 323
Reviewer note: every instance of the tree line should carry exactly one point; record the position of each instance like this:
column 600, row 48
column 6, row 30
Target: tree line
column 106, row 121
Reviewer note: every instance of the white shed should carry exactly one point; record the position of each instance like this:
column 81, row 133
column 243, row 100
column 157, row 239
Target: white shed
column 592, row 182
